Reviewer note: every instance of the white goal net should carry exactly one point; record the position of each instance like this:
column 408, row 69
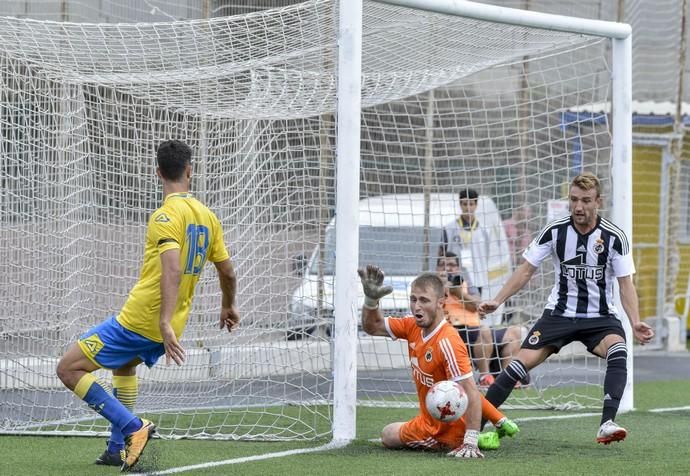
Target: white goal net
column 448, row 103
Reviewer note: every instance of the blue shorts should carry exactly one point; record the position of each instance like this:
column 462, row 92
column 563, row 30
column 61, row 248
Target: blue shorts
column 111, row 346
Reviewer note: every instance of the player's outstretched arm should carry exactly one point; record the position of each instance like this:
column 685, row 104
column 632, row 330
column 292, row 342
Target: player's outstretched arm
column 372, row 285
column 229, row 317
column 516, row 282
column 642, row 331
column 171, row 274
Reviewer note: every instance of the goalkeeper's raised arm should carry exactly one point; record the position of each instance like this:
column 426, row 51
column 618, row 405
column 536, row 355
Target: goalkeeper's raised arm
column 372, row 285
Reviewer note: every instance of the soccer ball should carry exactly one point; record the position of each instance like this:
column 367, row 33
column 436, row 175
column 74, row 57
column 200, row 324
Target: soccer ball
column 446, row 401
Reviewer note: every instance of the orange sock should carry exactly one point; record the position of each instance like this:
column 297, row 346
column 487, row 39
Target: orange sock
column 490, row 412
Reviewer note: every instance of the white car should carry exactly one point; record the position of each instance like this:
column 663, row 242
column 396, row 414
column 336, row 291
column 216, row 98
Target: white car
column 393, row 236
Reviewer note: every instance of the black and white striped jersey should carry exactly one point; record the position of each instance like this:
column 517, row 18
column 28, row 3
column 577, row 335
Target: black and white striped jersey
column 586, row 266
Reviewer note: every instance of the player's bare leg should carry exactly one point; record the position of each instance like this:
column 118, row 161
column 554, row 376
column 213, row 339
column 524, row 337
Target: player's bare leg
column 390, row 435
column 483, row 348
column 73, row 366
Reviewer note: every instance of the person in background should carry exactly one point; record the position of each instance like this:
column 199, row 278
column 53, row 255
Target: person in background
column 460, row 309
column 468, row 241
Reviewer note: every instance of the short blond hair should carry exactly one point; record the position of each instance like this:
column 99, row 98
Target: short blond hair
column 430, row 281
column 587, row 181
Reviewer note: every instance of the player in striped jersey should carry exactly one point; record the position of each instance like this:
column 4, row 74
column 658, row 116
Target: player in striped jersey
column 182, row 235
column 588, row 253
column 436, row 353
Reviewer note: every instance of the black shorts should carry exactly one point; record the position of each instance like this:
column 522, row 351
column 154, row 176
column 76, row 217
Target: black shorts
column 557, row 331
column 469, row 335
column 498, row 335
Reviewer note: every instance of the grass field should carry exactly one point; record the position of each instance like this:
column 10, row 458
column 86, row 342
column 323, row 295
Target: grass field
column 656, row 444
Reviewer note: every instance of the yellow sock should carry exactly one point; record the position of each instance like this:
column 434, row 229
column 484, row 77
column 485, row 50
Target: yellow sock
column 126, row 389
column 84, row 384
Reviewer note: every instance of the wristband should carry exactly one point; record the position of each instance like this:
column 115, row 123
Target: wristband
column 371, row 303
column 471, row 437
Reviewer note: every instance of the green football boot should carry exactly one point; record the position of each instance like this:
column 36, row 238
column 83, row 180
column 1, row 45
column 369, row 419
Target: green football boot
column 488, row 441
column 507, row 428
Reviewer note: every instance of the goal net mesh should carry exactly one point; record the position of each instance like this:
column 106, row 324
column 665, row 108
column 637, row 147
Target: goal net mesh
column 447, row 103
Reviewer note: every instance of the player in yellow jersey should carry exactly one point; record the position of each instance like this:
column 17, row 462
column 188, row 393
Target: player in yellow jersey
column 181, row 236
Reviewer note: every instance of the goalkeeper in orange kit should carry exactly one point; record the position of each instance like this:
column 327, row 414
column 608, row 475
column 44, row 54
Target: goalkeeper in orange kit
column 436, row 353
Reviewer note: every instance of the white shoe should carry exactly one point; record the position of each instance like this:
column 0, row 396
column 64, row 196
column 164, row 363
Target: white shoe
column 609, row 432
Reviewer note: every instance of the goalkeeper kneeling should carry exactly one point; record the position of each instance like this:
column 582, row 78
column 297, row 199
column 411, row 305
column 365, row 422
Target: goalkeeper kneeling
column 436, row 353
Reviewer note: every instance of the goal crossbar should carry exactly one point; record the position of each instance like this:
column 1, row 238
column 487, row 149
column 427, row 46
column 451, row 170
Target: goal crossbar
column 514, row 16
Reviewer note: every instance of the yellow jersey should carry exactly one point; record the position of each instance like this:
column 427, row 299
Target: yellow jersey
column 183, row 223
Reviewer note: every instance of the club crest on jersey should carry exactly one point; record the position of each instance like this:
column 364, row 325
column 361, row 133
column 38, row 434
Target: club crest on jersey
column 428, row 356
column 534, row 338
column 598, row 246
column 577, row 268
column 162, row 218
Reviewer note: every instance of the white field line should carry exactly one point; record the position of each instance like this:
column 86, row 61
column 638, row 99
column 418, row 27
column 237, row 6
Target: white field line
column 669, row 409
column 557, row 417
column 247, row 459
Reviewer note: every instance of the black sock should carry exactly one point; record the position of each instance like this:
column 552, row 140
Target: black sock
column 505, row 382
column 614, row 381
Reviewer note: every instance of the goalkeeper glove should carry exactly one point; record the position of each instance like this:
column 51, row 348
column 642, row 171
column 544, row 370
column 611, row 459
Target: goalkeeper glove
column 372, row 284
column 469, row 448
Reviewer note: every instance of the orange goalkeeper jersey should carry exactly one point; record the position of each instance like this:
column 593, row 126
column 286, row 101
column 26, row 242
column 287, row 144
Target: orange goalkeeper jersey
column 441, row 355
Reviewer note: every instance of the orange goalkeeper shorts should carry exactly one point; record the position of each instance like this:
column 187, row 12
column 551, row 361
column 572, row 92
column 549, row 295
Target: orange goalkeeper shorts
column 425, row 433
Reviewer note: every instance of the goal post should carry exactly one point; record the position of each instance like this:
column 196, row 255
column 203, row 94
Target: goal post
column 346, row 297
column 621, row 169
column 316, row 158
